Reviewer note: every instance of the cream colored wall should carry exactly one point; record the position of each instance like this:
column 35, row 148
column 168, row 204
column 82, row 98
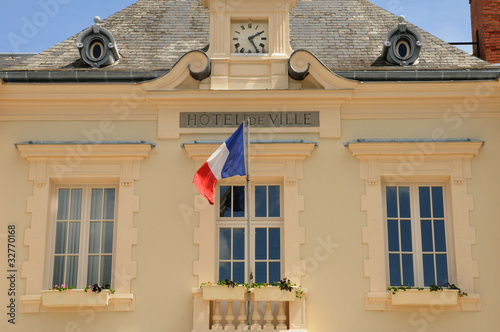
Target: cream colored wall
column 332, row 189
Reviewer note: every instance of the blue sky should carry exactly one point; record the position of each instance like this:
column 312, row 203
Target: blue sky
column 31, row 26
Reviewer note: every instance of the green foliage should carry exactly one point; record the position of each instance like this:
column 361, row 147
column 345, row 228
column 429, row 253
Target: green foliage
column 432, row 288
column 284, row 284
column 97, row 289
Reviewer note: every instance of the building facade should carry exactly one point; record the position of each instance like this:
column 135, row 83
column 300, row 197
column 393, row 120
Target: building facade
column 373, row 146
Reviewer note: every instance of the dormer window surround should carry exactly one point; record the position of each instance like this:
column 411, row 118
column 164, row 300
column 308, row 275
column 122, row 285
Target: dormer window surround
column 402, row 45
column 97, row 46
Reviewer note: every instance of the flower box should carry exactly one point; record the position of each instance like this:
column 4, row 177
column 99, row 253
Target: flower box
column 272, row 293
column 223, row 293
column 425, row 297
column 75, row 298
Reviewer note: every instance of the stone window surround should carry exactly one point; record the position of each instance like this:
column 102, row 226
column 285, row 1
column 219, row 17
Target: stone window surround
column 54, row 163
column 271, row 161
column 417, row 161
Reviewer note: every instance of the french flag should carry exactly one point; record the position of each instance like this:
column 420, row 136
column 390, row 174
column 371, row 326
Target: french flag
column 227, row 161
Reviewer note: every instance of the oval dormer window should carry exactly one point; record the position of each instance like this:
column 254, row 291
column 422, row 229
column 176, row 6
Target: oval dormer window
column 96, row 50
column 403, row 50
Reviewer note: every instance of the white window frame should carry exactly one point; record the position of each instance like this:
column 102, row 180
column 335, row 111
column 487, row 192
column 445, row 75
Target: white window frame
column 446, row 161
column 257, row 222
column 416, row 230
column 84, row 232
column 82, row 163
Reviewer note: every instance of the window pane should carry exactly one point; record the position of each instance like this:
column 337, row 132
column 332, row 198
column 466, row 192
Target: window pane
column 408, row 276
column 61, row 233
column 429, row 278
column 393, row 235
column 406, row 242
column 425, row 202
column 274, row 272
column 239, row 272
column 93, row 270
column 392, row 202
column 274, row 201
column 72, row 271
column 239, row 243
column 437, row 202
column 95, row 238
column 224, row 270
column 274, row 243
column 238, row 201
column 439, row 236
column 96, row 204
column 74, row 238
column 76, row 204
column 260, row 201
column 63, row 204
column 107, row 237
column 109, row 204
column 58, row 275
column 260, row 272
column 225, row 244
column 106, row 263
column 394, row 270
column 442, row 269
column 225, row 201
column 404, row 202
column 261, row 243
column 426, row 230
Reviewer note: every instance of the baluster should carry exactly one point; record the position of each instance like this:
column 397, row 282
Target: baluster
column 229, row 316
column 268, row 317
column 242, row 317
column 281, row 317
column 255, row 316
column 217, row 317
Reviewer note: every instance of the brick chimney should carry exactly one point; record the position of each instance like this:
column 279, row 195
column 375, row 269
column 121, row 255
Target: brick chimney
column 485, row 19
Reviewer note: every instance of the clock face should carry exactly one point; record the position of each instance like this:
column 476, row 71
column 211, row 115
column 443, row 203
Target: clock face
column 249, row 37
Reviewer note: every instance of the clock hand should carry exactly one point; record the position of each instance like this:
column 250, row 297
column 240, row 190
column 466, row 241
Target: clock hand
column 255, row 35
column 251, row 42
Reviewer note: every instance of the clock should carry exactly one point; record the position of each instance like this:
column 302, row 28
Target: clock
column 249, row 37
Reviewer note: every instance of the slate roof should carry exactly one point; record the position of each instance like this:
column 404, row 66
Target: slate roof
column 344, row 34
column 12, row 59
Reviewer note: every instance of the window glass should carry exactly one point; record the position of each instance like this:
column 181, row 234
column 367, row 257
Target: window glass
column 393, row 234
column 225, row 243
column 74, row 238
column 232, row 254
column 261, row 243
column 72, row 231
column 76, row 204
column 428, row 230
column 404, row 202
column 231, row 201
column 274, row 201
column 96, row 205
column 63, row 204
column 109, row 204
column 437, row 202
column 239, row 243
column 107, row 237
column 261, row 201
column 274, row 243
column 260, row 272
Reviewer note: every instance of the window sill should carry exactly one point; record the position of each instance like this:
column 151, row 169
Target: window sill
column 52, row 301
column 385, row 301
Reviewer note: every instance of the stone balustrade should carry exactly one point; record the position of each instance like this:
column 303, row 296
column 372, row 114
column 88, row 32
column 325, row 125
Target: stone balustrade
column 269, row 310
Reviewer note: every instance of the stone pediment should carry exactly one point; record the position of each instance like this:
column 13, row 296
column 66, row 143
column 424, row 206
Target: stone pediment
column 303, row 70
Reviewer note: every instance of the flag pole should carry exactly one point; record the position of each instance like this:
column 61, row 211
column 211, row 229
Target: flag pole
column 249, row 217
